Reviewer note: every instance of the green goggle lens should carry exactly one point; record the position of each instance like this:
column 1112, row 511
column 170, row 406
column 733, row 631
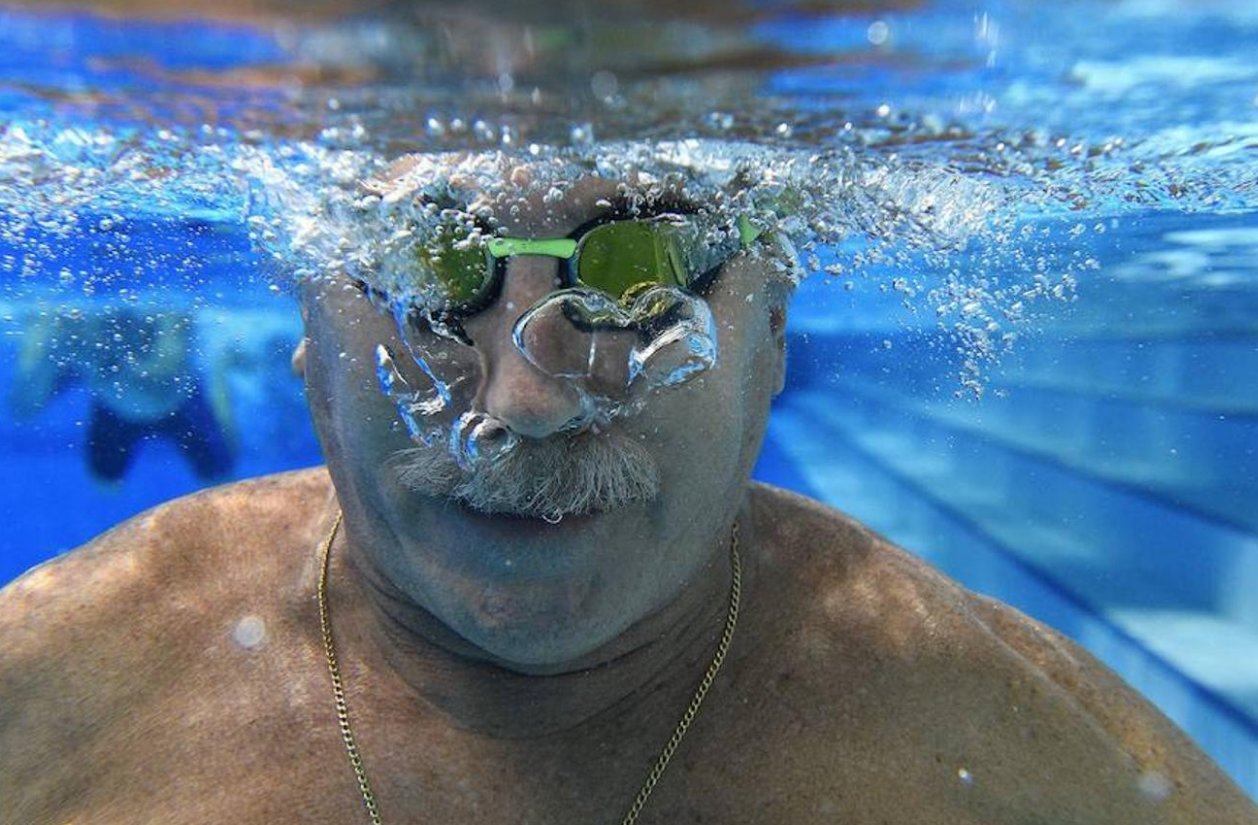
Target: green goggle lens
column 460, row 262
column 616, row 257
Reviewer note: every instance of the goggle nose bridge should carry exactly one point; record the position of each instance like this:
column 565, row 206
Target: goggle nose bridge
column 562, row 248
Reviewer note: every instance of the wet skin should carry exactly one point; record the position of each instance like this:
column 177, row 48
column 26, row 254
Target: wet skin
column 507, row 669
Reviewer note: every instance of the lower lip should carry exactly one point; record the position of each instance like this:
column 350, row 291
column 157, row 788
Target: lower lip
column 515, row 523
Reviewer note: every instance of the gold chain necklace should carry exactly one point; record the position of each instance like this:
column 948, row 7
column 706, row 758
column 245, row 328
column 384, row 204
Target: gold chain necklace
column 661, row 763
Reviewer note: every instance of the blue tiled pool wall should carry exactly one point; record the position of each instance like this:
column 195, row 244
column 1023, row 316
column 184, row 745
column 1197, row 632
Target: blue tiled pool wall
column 1103, row 484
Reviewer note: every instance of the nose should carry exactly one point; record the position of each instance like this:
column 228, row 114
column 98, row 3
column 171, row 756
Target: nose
column 530, row 402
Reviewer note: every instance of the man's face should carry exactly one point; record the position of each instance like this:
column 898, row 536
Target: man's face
column 580, row 527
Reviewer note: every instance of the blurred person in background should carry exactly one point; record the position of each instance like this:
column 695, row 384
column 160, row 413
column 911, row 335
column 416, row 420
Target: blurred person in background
column 143, row 381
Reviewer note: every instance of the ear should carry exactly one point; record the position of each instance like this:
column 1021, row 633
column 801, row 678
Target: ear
column 306, row 293
column 299, row 359
column 777, row 326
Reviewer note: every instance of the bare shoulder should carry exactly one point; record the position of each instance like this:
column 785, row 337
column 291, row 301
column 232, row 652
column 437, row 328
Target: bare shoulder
column 162, row 555
column 961, row 700
column 93, row 634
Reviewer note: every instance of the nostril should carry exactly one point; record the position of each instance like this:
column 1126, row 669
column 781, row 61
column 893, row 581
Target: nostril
column 583, row 420
column 492, row 431
column 479, row 436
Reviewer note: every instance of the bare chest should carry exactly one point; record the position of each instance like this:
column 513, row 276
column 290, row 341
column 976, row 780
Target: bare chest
column 281, row 758
column 254, row 737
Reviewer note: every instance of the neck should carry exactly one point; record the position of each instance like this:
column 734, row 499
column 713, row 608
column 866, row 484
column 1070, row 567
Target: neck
column 662, row 653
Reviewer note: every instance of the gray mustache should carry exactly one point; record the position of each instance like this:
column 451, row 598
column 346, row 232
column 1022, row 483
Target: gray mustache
column 560, row 476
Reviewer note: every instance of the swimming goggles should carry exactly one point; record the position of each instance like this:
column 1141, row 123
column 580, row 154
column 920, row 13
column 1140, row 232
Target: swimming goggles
column 620, row 258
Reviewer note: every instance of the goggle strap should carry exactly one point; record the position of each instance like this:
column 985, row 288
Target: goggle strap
column 747, row 231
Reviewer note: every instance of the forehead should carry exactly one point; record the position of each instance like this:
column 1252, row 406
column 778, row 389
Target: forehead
column 558, row 210
column 532, row 197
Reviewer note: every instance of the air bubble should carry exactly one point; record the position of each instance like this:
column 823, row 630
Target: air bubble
column 250, row 632
column 1154, row 786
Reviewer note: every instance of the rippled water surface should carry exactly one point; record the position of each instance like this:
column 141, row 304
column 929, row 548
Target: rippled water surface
column 1026, row 345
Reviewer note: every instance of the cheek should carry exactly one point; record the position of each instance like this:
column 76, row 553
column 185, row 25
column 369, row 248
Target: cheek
column 341, row 383
column 726, row 419
column 699, row 429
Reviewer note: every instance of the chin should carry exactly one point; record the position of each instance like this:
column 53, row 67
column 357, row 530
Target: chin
column 515, row 632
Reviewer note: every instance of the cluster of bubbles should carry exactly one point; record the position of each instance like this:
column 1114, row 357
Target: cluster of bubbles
column 349, row 213
column 932, row 233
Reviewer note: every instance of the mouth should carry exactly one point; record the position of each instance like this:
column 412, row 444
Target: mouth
column 525, row 519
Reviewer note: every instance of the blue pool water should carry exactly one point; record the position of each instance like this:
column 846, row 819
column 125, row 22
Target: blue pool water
column 1032, row 358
